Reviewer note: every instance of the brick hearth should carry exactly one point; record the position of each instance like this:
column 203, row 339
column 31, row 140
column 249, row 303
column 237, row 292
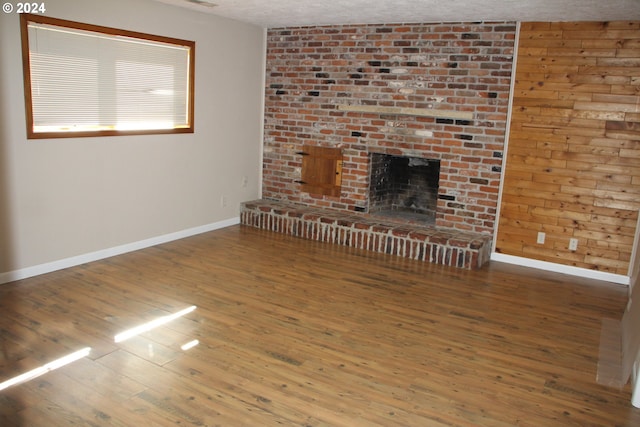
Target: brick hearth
column 429, row 244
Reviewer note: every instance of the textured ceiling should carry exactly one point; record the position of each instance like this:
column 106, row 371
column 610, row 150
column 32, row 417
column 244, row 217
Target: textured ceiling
column 293, row 13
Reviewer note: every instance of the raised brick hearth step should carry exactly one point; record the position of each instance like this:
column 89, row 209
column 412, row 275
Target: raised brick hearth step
column 429, row 244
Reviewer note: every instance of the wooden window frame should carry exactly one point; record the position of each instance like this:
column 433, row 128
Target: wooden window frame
column 25, row 19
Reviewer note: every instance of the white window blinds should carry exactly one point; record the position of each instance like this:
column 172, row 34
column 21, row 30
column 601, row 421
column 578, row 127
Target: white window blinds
column 84, row 81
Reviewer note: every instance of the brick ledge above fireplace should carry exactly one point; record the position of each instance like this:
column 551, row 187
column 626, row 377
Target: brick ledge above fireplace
column 430, row 244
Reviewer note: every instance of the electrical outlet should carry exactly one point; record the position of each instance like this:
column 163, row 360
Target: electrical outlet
column 223, row 201
column 541, row 237
column 245, row 181
column 573, row 244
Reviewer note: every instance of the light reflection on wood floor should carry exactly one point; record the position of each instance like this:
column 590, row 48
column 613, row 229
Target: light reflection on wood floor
column 297, row 333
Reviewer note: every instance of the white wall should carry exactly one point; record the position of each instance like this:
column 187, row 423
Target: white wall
column 62, row 198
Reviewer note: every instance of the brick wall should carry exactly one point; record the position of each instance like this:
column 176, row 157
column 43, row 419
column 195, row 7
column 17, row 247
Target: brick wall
column 459, row 72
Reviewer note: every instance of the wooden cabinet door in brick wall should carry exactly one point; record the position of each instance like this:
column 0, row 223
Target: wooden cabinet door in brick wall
column 321, row 170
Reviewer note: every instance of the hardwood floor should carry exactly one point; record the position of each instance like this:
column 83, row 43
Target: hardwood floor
column 298, row 333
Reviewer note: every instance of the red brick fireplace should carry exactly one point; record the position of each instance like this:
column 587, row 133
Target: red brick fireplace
column 427, row 91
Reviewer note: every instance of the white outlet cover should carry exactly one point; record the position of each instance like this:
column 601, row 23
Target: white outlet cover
column 573, row 244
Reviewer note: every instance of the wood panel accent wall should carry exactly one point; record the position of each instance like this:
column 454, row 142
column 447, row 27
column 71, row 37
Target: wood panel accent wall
column 573, row 161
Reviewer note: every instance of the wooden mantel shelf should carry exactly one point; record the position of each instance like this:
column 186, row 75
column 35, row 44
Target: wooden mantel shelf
column 421, row 112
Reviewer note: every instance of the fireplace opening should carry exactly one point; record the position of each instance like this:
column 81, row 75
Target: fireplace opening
column 404, row 187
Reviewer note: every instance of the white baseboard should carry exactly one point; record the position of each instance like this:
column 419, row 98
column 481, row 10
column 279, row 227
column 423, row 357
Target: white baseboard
column 635, row 384
column 49, row 267
column 559, row 268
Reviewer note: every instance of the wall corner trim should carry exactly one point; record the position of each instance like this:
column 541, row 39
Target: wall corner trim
column 49, row 267
column 559, row 268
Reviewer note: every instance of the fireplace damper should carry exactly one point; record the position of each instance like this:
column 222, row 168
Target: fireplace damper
column 404, row 187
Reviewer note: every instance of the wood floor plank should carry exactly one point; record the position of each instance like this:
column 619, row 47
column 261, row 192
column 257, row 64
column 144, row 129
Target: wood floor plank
column 292, row 332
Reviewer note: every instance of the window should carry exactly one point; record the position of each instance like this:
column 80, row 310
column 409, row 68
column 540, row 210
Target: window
column 86, row 80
